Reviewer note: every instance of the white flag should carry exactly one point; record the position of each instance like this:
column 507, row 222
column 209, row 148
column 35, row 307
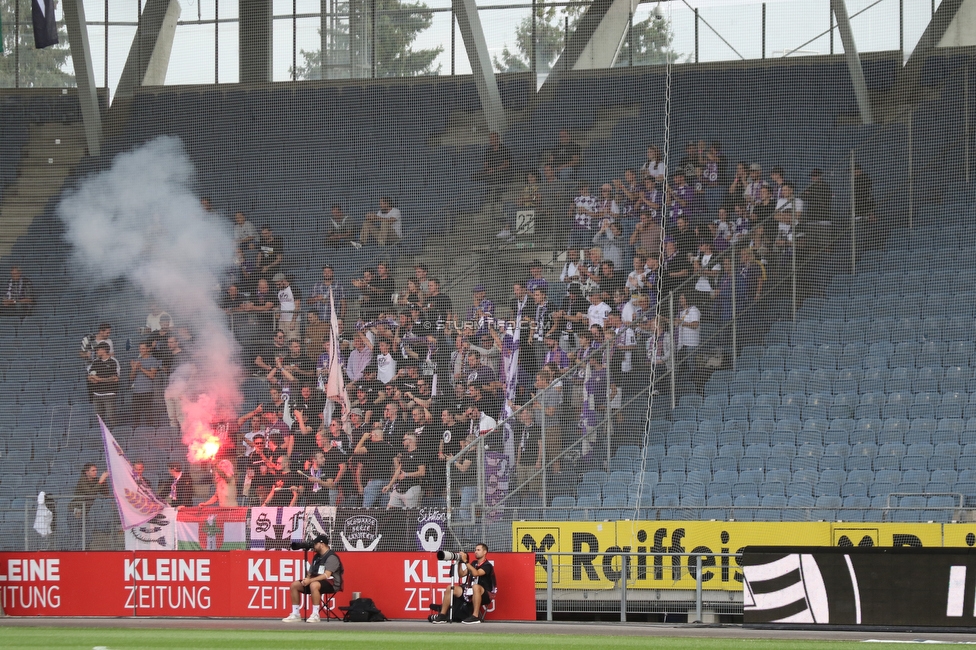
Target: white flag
column 137, row 505
column 335, row 388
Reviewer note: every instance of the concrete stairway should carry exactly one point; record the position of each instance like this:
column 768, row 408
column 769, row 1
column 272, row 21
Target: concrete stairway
column 51, row 153
column 481, row 257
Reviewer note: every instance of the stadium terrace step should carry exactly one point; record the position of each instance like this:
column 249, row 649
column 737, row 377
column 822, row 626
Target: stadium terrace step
column 51, row 152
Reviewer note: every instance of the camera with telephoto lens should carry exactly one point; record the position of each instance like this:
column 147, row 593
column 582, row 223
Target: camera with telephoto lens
column 460, row 556
column 303, row 546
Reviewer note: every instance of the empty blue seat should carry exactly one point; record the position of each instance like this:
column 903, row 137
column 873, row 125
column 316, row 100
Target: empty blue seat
column 600, row 478
column 588, row 490
column 744, row 489
column 563, row 502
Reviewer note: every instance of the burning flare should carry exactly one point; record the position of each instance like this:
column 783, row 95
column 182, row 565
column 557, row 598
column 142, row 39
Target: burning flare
column 202, row 442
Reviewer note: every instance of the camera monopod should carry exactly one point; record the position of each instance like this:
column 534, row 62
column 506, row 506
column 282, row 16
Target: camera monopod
column 454, row 558
column 304, row 548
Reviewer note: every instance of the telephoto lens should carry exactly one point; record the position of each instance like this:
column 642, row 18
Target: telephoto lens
column 449, row 556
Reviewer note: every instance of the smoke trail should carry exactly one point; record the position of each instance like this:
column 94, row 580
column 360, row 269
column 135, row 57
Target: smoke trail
column 139, row 220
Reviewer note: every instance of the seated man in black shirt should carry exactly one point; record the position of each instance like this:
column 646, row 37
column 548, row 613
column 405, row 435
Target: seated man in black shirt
column 324, row 576
column 566, row 157
column 498, row 162
column 610, row 280
column 479, row 585
column 18, row 295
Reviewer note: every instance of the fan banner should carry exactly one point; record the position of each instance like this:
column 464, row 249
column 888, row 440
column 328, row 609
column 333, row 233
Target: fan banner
column 211, row 529
column 350, row 529
column 237, row 584
column 274, row 529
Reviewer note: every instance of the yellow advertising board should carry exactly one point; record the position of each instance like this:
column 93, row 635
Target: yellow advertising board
column 594, row 565
column 962, row 535
column 871, row 534
column 565, row 537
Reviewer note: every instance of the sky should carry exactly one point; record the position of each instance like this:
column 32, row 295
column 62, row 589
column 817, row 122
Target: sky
column 197, row 59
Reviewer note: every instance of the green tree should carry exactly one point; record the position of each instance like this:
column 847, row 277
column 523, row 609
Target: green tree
column 397, row 26
column 651, row 39
column 47, row 68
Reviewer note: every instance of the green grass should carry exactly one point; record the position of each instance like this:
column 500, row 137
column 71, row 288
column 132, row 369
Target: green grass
column 322, row 637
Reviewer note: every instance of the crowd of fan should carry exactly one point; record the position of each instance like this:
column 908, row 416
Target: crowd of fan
column 425, row 377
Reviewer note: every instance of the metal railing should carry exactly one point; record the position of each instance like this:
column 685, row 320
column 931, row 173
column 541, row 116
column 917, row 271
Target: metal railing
column 756, row 513
column 624, row 574
column 77, row 535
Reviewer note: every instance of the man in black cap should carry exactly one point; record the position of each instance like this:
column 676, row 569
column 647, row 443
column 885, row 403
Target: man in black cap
column 324, row 576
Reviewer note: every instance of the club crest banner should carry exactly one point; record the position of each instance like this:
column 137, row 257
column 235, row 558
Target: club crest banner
column 157, row 534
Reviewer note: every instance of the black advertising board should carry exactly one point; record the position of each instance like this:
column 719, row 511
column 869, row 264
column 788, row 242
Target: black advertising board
column 903, row 587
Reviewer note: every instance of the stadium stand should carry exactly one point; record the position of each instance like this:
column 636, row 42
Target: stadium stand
column 860, row 409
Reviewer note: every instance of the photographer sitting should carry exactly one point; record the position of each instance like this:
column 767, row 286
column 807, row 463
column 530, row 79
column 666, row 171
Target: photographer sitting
column 478, row 587
column 324, row 576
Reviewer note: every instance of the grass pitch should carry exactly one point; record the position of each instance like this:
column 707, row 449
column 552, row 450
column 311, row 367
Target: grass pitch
column 124, row 639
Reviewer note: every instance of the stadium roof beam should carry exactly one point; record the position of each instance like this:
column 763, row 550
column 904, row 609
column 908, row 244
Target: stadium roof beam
column 603, row 47
column 853, row 61
column 148, row 58
column 595, row 43
column 927, row 44
column 476, row 47
column 255, row 49
column 74, row 18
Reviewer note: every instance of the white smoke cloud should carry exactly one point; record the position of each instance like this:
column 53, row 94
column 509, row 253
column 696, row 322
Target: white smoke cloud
column 140, row 220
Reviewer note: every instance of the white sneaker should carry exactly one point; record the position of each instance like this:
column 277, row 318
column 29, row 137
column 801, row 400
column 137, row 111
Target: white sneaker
column 504, row 234
column 292, row 618
column 314, row 618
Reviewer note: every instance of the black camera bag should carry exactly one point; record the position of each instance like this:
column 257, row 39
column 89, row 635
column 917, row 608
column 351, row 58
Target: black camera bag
column 363, row 610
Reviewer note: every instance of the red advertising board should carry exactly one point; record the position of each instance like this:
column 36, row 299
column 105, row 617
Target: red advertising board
column 237, row 584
